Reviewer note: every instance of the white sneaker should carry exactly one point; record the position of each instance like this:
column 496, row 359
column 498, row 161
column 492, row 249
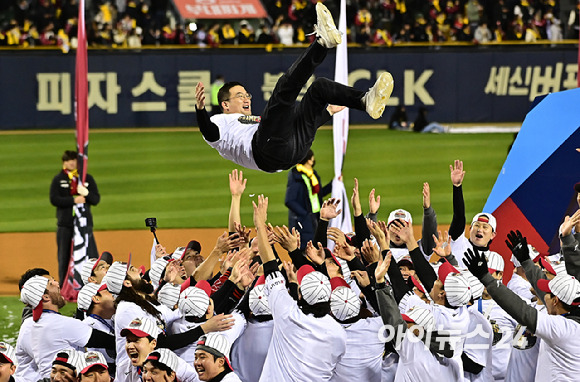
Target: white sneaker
column 375, row 100
column 328, row 36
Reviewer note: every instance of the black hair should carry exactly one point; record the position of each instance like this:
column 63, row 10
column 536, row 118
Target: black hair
column 224, row 92
column 318, row 310
column 308, row 156
column 30, row 274
column 146, row 303
column 158, row 365
column 69, row 155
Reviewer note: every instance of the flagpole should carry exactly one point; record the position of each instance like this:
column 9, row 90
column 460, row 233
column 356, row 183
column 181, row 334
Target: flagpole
column 340, row 132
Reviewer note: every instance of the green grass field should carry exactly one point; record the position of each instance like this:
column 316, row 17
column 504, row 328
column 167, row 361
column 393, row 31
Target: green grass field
column 176, row 177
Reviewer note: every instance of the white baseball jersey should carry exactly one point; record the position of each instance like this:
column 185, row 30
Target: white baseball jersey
column 459, row 247
column 478, row 345
column 95, row 323
column 417, row 363
column 520, row 286
column 524, row 357
column 42, row 340
column 250, row 350
column 235, row 142
column 127, row 312
column 503, row 327
column 231, row 377
column 26, row 368
column 182, row 326
column 185, row 371
column 303, row 347
column 399, row 253
column 364, row 352
column 558, row 357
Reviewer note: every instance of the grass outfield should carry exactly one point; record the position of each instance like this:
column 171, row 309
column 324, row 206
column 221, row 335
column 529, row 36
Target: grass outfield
column 175, row 176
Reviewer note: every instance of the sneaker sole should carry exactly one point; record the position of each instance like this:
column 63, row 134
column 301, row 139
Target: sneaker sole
column 325, row 17
column 384, row 89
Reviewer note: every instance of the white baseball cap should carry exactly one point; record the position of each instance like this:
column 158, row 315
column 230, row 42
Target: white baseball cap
column 158, row 269
column 485, row 218
column 476, row 285
column 32, row 292
column 400, row 214
column 69, row 358
column 344, row 303
column 258, row 300
column 563, row 286
column 142, row 327
column 457, row 289
column 92, row 358
column 420, row 316
column 178, row 253
column 216, row 344
column 169, row 295
column 194, row 300
column 165, row 357
column 495, row 262
column 314, row 286
column 115, row 277
column 86, row 294
column 87, row 270
column 8, row 352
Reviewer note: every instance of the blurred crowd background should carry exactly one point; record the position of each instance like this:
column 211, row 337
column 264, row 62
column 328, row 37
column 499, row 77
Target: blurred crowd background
column 135, row 23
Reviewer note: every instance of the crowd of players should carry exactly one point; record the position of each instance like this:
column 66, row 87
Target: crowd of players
column 380, row 306
column 133, row 23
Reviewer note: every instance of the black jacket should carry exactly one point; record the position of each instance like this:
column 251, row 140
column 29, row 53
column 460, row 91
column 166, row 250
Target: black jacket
column 61, row 198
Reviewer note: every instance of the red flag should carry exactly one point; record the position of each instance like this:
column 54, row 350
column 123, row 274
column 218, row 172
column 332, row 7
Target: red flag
column 80, row 238
column 81, row 94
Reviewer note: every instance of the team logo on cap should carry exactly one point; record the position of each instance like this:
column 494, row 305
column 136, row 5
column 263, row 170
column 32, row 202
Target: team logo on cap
column 135, row 323
column 3, row 347
column 483, row 218
column 91, row 357
column 400, row 215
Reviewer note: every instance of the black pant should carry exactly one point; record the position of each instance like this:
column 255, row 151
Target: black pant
column 64, row 236
column 287, row 129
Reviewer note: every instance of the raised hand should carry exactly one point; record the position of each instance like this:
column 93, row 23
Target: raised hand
column 569, row 223
column 404, row 230
column 315, row 255
column 370, row 252
column 344, row 251
column 200, row 95
column 355, row 200
column 457, row 173
column 426, row 195
column 243, row 233
column 476, row 263
column 374, row 203
column 225, row 243
column 289, row 240
column 329, row 209
column 442, row 244
column 378, row 233
column 518, row 244
column 160, row 251
column 260, row 210
column 361, row 277
column 336, row 235
column 289, row 268
column 237, row 182
column 382, row 268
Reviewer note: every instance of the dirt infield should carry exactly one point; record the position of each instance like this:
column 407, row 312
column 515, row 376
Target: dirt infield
column 21, row 251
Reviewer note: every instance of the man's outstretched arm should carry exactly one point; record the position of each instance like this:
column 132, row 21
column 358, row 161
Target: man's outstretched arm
column 209, row 130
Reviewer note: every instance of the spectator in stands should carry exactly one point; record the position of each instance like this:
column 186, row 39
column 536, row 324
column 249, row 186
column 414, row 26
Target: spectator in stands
column 482, row 33
column 399, row 119
column 285, row 31
column 227, row 34
column 246, row 33
column 265, row 35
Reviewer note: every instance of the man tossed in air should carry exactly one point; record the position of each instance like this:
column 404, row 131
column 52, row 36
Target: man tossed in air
column 284, row 133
